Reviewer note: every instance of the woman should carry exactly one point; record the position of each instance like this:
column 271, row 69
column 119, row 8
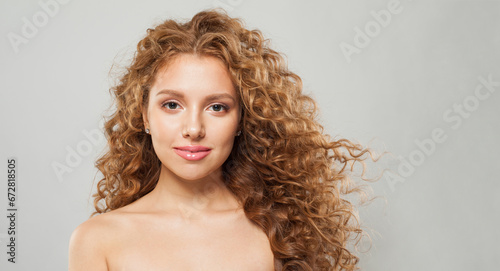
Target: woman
column 216, row 162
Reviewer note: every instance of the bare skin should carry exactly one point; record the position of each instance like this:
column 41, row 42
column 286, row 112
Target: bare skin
column 190, row 221
column 140, row 236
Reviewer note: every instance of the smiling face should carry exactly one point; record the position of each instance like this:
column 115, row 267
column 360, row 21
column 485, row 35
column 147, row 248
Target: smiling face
column 193, row 114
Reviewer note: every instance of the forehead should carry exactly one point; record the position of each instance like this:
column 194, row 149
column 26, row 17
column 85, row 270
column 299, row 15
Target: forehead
column 196, row 75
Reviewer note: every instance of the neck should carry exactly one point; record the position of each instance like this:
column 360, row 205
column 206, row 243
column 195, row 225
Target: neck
column 192, row 198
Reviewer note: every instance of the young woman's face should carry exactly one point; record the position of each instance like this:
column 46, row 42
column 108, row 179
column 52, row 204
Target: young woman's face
column 193, row 115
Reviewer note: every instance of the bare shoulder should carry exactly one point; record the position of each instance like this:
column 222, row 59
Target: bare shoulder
column 91, row 240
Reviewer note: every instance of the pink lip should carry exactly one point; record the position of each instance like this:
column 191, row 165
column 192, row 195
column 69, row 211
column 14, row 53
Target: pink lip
column 192, row 152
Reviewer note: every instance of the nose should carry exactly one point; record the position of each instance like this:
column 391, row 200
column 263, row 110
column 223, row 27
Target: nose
column 193, row 125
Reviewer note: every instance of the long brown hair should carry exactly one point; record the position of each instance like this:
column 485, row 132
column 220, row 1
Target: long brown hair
column 288, row 174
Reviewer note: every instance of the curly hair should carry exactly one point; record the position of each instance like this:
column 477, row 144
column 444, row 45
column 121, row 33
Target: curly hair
column 290, row 177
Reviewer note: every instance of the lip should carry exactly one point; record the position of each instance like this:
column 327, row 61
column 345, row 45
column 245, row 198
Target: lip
column 192, row 152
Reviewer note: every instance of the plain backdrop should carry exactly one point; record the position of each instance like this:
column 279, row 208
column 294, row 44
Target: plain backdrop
column 419, row 79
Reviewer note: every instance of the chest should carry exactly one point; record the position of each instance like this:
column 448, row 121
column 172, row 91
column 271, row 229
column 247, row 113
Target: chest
column 200, row 245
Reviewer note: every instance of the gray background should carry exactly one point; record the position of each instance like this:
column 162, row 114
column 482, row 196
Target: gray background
column 407, row 82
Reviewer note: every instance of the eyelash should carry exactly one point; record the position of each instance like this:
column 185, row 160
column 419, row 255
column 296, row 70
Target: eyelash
column 224, row 107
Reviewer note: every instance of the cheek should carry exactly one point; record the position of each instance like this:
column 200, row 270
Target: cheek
column 223, row 132
column 163, row 129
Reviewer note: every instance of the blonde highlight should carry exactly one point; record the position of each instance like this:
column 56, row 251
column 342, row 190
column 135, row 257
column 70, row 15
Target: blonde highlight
column 287, row 173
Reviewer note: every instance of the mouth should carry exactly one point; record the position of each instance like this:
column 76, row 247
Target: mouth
column 193, row 148
column 192, row 152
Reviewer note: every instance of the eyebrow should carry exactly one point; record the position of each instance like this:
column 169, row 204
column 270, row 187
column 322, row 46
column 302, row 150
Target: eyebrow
column 209, row 98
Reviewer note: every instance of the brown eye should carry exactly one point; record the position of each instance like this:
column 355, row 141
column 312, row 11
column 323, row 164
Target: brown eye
column 170, row 105
column 219, row 107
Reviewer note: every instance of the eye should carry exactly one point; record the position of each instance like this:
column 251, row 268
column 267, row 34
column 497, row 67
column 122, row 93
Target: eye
column 170, row 105
column 219, row 107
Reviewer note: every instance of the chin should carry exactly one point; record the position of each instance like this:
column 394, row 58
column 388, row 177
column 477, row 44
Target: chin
column 194, row 174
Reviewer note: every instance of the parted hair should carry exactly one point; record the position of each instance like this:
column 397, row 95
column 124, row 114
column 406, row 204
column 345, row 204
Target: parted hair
column 291, row 177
